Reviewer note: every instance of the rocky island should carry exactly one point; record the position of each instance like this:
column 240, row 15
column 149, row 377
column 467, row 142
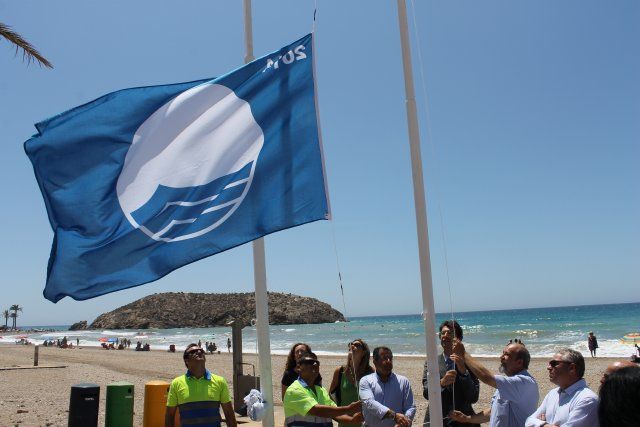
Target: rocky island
column 200, row 310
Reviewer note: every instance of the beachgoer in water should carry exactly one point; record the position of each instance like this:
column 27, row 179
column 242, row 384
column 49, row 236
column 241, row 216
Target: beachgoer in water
column 344, row 385
column 387, row 399
column 572, row 402
column 307, row 403
column 199, row 394
column 592, row 342
column 516, row 395
column 456, row 381
column 619, row 396
column 290, row 374
column 614, row 367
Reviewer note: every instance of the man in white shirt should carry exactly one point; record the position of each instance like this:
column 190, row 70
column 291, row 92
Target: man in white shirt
column 516, row 394
column 572, row 403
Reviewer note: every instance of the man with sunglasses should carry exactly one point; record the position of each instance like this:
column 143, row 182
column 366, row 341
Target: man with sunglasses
column 572, row 403
column 198, row 394
column 387, row 399
column 307, row 404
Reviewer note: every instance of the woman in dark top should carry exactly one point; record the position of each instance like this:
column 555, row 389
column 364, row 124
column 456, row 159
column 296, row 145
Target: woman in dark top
column 344, row 385
column 290, row 374
column 592, row 342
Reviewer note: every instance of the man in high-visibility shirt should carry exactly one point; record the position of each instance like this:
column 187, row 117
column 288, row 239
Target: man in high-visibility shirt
column 309, row 405
column 198, row 394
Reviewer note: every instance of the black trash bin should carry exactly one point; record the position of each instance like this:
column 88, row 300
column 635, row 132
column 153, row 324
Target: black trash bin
column 83, row 405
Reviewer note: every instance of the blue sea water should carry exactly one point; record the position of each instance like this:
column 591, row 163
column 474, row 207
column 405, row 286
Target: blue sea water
column 543, row 330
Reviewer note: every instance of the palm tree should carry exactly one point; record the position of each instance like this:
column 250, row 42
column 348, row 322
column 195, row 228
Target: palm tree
column 28, row 51
column 6, row 318
column 15, row 308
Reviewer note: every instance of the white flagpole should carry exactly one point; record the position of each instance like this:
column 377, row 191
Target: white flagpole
column 260, row 273
column 435, row 406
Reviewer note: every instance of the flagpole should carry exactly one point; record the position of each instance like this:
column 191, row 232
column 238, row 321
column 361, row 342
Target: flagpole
column 260, row 274
column 435, row 406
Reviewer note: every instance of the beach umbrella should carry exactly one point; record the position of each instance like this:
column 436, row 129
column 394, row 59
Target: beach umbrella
column 631, row 339
column 112, row 340
column 102, row 339
column 22, row 336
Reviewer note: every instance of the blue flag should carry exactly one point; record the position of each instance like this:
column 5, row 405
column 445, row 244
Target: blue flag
column 142, row 181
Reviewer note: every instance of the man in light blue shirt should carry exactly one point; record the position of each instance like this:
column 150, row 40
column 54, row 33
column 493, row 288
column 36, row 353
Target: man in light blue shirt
column 516, row 394
column 387, row 399
column 571, row 404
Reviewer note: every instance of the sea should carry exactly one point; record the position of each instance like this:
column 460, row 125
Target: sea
column 543, row 330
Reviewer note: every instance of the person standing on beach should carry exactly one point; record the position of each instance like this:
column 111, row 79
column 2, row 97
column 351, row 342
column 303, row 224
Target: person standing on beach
column 592, row 342
column 307, row 404
column 456, row 381
column 572, row 403
column 387, row 399
column 344, row 385
column 290, row 373
column 228, row 345
column 516, row 395
column 198, row 394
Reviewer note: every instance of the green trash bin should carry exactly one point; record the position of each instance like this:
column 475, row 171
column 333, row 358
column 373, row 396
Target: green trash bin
column 119, row 407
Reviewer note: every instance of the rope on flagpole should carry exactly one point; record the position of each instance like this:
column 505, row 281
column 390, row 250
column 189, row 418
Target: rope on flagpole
column 435, row 172
column 335, row 251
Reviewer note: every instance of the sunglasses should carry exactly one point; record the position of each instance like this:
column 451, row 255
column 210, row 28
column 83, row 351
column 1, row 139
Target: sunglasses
column 192, row 353
column 355, row 344
column 309, row 362
column 554, row 363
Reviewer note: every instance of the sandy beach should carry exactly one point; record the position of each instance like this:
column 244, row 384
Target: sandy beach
column 40, row 397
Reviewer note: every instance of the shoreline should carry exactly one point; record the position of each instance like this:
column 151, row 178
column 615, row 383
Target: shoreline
column 23, row 389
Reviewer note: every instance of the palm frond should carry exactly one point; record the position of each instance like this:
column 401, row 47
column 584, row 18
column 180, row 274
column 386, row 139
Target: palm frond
column 28, row 51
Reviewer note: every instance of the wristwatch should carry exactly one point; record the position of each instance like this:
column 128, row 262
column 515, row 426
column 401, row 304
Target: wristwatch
column 391, row 415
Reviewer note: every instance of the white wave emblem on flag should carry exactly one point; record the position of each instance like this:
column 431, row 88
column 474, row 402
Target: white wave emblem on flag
column 190, row 164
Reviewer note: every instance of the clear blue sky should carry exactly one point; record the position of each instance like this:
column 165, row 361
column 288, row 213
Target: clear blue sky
column 534, row 157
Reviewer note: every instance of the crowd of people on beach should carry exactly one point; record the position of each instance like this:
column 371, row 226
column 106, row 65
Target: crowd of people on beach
column 381, row 397
column 361, row 394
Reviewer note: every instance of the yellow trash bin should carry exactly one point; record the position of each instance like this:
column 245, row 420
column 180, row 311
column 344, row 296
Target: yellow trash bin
column 155, row 403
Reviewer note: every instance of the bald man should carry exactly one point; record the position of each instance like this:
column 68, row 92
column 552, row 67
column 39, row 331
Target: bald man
column 614, row 367
column 516, row 394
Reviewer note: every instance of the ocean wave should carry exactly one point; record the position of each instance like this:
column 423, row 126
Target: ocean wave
column 527, row 332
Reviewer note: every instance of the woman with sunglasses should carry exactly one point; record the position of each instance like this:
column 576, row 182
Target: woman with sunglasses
column 344, row 385
column 290, row 374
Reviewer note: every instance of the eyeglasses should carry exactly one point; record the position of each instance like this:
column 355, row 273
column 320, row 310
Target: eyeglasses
column 554, row 363
column 309, row 362
column 356, row 344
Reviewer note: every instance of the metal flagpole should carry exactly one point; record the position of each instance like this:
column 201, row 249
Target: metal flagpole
column 435, row 406
column 260, row 273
